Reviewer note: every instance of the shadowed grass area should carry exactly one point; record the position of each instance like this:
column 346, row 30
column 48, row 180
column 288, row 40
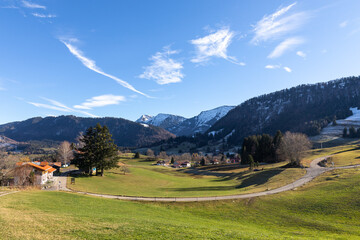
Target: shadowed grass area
column 323, row 209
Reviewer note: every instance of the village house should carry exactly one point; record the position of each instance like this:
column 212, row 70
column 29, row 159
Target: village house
column 34, row 173
column 185, row 164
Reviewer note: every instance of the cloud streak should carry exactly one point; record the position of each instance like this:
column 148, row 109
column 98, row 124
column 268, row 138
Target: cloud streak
column 28, row 4
column 301, row 54
column 100, row 101
column 214, row 45
column 278, row 24
column 285, row 45
column 287, row 69
column 90, row 64
column 55, row 105
column 164, row 70
column 343, row 24
column 272, row 66
column 40, row 15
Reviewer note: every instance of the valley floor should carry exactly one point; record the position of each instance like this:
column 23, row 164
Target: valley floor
column 327, row 208
column 148, row 180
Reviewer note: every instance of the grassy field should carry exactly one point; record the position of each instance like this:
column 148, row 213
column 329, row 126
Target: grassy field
column 327, row 208
column 346, row 154
column 148, row 180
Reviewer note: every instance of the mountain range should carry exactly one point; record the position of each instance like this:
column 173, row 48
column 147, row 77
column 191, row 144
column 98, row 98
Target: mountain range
column 181, row 126
column 307, row 108
column 125, row 133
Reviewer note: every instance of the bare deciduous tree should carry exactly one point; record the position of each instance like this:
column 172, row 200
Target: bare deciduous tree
column 124, row 169
column 24, row 175
column 150, row 153
column 79, row 142
column 163, row 155
column 7, row 165
column 293, row 147
column 65, row 152
column 186, row 157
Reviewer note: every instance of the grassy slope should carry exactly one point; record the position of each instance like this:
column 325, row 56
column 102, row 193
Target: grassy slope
column 311, row 212
column 347, row 154
column 147, row 180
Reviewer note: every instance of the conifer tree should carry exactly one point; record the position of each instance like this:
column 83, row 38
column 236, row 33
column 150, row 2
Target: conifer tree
column 345, row 132
column 352, row 132
column 99, row 150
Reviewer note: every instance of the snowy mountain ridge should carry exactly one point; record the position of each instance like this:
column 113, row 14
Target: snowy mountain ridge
column 181, row 126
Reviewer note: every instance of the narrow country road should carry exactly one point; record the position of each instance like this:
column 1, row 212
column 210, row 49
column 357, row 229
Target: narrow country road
column 7, row 193
column 313, row 171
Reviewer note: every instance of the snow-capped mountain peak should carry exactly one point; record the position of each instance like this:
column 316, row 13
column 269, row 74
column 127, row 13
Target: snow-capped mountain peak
column 144, row 119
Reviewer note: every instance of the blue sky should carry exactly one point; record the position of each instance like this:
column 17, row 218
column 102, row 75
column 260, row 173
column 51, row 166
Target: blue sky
column 128, row 58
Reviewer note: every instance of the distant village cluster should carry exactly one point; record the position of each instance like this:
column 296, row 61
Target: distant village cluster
column 186, row 160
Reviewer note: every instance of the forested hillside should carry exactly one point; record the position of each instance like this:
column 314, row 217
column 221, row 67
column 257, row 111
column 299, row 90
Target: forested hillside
column 305, row 108
column 125, row 132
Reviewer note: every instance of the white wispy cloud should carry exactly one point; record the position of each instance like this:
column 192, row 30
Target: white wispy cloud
column 100, row 101
column 301, row 54
column 343, row 24
column 10, row 7
column 164, row 70
column 272, row 66
column 287, row 69
column 214, row 45
column 48, row 106
column 278, row 67
column 90, row 64
column 284, row 46
column 40, row 15
column 278, row 24
column 55, row 105
column 28, row 4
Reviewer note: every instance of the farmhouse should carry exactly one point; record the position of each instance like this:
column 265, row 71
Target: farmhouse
column 35, row 173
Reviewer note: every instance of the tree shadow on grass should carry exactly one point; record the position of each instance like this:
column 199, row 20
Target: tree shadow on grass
column 80, row 175
column 201, row 189
column 255, row 179
column 259, row 178
column 348, row 150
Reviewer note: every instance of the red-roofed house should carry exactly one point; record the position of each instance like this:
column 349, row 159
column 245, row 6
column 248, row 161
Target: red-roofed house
column 33, row 173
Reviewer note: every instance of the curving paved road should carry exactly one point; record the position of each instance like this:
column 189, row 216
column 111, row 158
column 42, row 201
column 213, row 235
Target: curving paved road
column 313, row 171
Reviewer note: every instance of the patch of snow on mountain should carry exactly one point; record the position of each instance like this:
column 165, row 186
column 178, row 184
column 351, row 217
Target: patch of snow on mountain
column 216, row 114
column 332, row 131
column 145, row 125
column 355, row 116
column 158, row 119
column 215, row 132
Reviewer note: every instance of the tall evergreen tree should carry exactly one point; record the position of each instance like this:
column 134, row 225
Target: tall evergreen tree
column 265, row 149
column 345, row 132
column 99, row 150
column 276, row 144
column 352, row 132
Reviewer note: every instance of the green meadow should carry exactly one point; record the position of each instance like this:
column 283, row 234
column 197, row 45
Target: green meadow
column 148, row 180
column 327, row 208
